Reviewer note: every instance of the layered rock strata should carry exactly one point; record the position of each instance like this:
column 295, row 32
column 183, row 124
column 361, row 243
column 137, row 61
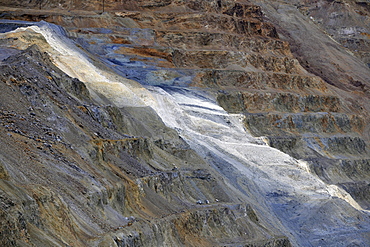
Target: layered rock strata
column 255, row 72
column 73, row 176
column 92, row 164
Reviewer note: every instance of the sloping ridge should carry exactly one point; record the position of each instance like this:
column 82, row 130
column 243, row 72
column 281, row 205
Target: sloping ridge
column 92, row 158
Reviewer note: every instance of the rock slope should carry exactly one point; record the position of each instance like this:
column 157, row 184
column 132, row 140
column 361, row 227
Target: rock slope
column 158, row 123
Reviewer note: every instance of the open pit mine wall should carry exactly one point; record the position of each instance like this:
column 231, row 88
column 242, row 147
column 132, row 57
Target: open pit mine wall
column 346, row 21
column 159, row 123
column 81, row 167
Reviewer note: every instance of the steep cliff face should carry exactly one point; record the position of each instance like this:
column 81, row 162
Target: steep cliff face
column 334, row 24
column 159, row 123
column 346, row 21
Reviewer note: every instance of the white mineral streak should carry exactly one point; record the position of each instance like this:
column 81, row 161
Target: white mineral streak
column 296, row 195
column 76, row 64
column 210, row 126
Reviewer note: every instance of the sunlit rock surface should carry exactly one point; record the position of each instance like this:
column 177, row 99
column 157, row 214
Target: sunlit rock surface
column 181, row 123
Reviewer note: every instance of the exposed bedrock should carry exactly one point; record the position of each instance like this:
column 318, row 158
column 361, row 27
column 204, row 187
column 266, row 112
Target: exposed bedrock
column 225, row 7
column 88, row 161
column 347, row 22
column 309, row 147
column 319, row 123
column 224, row 60
column 311, row 127
column 83, row 173
column 351, row 174
column 258, row 80
column 217, row 41
column 200, row 227
column 342, row 21
column 254, row 102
